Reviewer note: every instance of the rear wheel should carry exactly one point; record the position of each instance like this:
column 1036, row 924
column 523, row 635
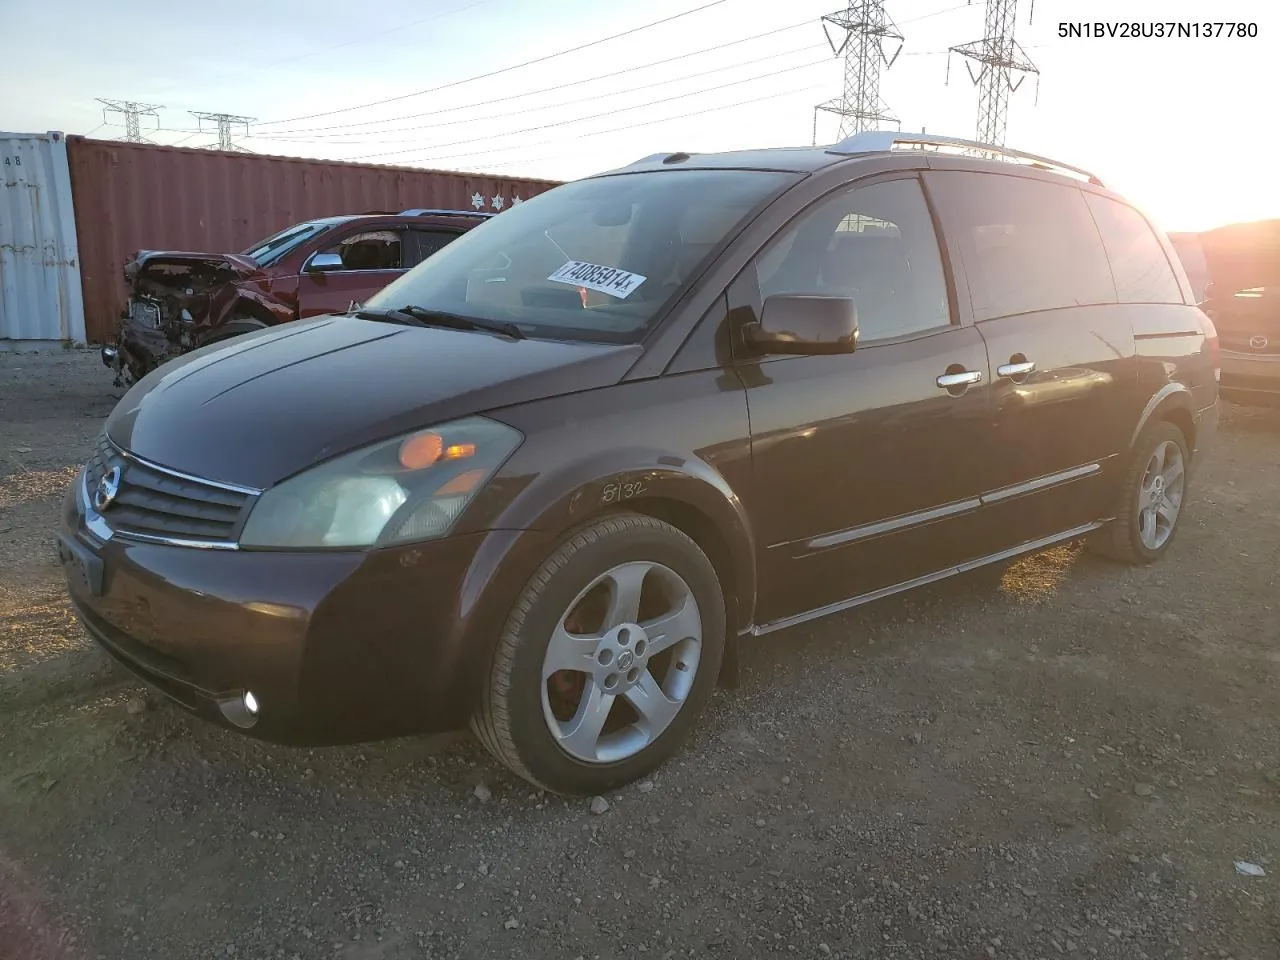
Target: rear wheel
column 1151, row 499
column 608, row 657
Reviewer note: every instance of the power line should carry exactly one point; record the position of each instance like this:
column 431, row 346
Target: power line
column 608, row 113
column 623, row 129
column 494, row 73
column 807, row 22
column 517, row 113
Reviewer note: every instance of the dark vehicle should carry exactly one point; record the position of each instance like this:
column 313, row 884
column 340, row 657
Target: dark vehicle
column 180, row 301
column 802, row 379
column 1239, row 271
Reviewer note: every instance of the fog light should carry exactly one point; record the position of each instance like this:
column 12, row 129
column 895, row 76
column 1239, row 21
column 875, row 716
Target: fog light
column 250, row 702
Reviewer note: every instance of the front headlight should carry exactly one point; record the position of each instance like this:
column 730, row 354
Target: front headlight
column 412, row 487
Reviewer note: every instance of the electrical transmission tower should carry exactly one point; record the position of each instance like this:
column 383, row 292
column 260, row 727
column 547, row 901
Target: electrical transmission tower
column 866, row 29
column 132, row 112
column 224, row 122
column 999, row 56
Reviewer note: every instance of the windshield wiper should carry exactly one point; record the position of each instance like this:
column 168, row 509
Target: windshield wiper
column 456, row 321
column 411, row 316
column 391, row 316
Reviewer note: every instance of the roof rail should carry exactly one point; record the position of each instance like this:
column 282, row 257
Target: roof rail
column 882, row 141
column 426, row 212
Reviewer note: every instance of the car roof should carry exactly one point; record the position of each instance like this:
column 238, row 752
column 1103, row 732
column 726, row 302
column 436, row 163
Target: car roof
column 862, row 146
column 417, row 215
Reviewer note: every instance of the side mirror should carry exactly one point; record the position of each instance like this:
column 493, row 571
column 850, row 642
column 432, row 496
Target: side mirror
column 324, row 262
column 806, row 325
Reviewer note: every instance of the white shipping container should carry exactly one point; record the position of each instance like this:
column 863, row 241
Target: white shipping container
column 41, row 300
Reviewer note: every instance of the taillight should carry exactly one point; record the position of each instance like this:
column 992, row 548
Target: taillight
column 1212, row 347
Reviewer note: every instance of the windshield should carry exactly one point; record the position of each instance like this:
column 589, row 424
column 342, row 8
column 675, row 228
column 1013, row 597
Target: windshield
column 593, row 259
column 277, row 245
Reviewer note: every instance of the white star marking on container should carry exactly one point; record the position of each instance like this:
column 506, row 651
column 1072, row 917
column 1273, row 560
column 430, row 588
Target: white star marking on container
column 477, row 201
column 497, row 202
column 516, row 199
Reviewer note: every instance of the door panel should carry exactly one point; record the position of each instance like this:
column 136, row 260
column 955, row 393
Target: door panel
column 1060, row 347
column 372, row 258
column 1059, row 429
column 867, row 473
column 866, row 468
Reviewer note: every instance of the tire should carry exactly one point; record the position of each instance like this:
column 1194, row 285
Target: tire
column 519, row 705
column 1125, row 539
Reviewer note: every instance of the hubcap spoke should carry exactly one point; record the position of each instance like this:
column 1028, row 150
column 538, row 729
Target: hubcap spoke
column 625, row 584
column 568, row 651
column 656, row 709
column 682, row 623
column 581, row 735
column 1157, row 460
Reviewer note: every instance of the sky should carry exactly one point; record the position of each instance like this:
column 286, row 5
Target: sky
column 1153, row 118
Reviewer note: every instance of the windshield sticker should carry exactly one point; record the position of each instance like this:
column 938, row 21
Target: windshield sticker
column 610, row 280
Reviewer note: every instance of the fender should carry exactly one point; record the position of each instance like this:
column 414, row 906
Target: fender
column 644, row 480
column 262, row 305
column 1171, row 396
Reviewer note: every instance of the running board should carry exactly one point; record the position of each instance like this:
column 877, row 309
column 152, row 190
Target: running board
column 966, row 567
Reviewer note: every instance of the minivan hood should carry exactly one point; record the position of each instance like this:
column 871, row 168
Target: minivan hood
column 269, row 404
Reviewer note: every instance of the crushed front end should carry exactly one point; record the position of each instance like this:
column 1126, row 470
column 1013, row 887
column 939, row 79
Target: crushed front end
column 179, row 301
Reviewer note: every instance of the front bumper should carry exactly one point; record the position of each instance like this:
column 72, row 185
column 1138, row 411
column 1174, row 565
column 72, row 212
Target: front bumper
column 1250, row 378
column 336, row 647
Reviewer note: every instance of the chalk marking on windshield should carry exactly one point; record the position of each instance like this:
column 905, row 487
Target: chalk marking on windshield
column 611, row 280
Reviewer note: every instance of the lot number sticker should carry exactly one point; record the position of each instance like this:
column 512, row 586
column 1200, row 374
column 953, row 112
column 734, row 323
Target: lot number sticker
column 610, row 280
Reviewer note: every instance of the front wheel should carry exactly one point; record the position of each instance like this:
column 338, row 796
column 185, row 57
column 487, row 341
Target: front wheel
column 1151, row 499
column 607, row 659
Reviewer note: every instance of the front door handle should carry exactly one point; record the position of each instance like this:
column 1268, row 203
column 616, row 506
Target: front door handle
column 962, row 379
column 1016, row 369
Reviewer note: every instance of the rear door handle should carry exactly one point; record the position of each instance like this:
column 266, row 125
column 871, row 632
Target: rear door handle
column 949, row 380
column 1016, row 369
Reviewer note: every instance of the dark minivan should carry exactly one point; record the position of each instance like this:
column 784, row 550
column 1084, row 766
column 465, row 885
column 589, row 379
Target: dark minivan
column 544, row 482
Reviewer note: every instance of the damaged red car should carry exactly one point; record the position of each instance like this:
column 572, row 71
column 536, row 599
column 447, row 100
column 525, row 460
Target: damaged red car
column 179, row 300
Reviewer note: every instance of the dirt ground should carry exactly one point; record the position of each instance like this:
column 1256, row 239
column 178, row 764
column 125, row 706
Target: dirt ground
column 1065, row 759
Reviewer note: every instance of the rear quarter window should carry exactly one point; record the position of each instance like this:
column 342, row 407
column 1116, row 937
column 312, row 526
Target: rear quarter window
column 1027, row 245
column 1138, row 262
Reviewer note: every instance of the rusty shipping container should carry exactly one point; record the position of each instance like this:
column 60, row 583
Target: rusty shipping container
column 131, row 196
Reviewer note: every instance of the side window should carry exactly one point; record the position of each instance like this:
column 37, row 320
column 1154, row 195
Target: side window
column 429, row 241
column 1141, row 269
column 370, row 250
column 875, row 244
column 1027, row 245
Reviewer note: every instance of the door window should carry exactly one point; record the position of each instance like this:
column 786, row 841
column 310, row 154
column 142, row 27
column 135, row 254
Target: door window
column 874, row 244
column 1138, row 261
column 429, row 241
column 1027, row 245
column 370, row 250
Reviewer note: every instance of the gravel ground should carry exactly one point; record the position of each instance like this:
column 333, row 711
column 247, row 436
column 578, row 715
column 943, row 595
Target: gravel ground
column 1062, row 759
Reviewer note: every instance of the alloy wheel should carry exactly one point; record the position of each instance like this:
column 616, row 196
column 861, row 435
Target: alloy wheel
column 621, row 662
column 1160, row 497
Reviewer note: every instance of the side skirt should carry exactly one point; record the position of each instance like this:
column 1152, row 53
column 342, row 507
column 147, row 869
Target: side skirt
column 1031, row 546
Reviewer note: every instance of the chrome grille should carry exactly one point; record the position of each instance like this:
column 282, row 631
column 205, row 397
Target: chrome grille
column 157, row 504
column 144, row 311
